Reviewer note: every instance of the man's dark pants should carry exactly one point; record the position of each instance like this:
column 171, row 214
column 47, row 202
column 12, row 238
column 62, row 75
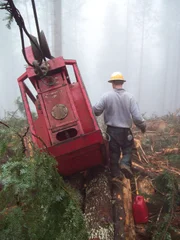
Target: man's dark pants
column 121, row 140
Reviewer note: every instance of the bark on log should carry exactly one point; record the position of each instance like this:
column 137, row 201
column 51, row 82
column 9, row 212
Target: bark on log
column 98, row 206
column 118, row 211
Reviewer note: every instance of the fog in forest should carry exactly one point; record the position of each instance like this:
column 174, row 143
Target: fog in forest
column 139, row 38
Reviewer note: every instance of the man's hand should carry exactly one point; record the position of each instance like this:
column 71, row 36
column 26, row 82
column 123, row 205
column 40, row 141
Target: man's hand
column 143, row 130
column 143, row 127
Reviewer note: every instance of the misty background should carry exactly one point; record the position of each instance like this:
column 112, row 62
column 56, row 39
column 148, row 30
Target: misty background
column 139, row 38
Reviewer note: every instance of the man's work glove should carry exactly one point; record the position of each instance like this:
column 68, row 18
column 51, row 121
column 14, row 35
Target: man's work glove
column 143, row 130
column 143, row 127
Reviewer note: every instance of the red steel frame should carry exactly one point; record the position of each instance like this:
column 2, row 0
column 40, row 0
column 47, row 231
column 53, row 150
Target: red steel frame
column 84, row 150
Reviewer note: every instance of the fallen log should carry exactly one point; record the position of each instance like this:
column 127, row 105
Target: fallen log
column 129, row 220
column 162, row 167
column 153, row 169
column 144, row 171
column 98, row 206
column 118, row 211
column 167, row 151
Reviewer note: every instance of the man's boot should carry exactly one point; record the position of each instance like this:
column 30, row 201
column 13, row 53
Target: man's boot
column 117, row 178
column 126, row 170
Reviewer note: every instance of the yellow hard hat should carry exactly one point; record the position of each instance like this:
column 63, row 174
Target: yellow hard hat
column 116, row 76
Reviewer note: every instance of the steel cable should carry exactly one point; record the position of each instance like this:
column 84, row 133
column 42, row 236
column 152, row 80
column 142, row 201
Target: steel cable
column 15, row 13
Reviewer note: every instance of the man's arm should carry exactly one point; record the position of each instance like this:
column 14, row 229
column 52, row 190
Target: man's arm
column 99, row 107
column 137, row 117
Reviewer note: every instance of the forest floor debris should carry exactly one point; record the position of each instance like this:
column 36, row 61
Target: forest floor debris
column 156, row 165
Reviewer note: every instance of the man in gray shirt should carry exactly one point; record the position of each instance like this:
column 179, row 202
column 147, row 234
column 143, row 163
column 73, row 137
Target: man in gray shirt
column 120, row 111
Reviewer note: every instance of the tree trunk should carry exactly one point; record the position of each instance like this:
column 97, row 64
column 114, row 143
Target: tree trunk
column 98, row 206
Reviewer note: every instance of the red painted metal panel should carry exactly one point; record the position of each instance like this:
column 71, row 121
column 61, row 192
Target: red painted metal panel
column 78, row 161
column 54, row 64
column 44, row 86
column 75, row 140
column 54, row 97
column 22, row 77
column 76, row 144
column 27, row 109
column 29, row 54
column 41, row 131
column 29, row 93
column 82, row 109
